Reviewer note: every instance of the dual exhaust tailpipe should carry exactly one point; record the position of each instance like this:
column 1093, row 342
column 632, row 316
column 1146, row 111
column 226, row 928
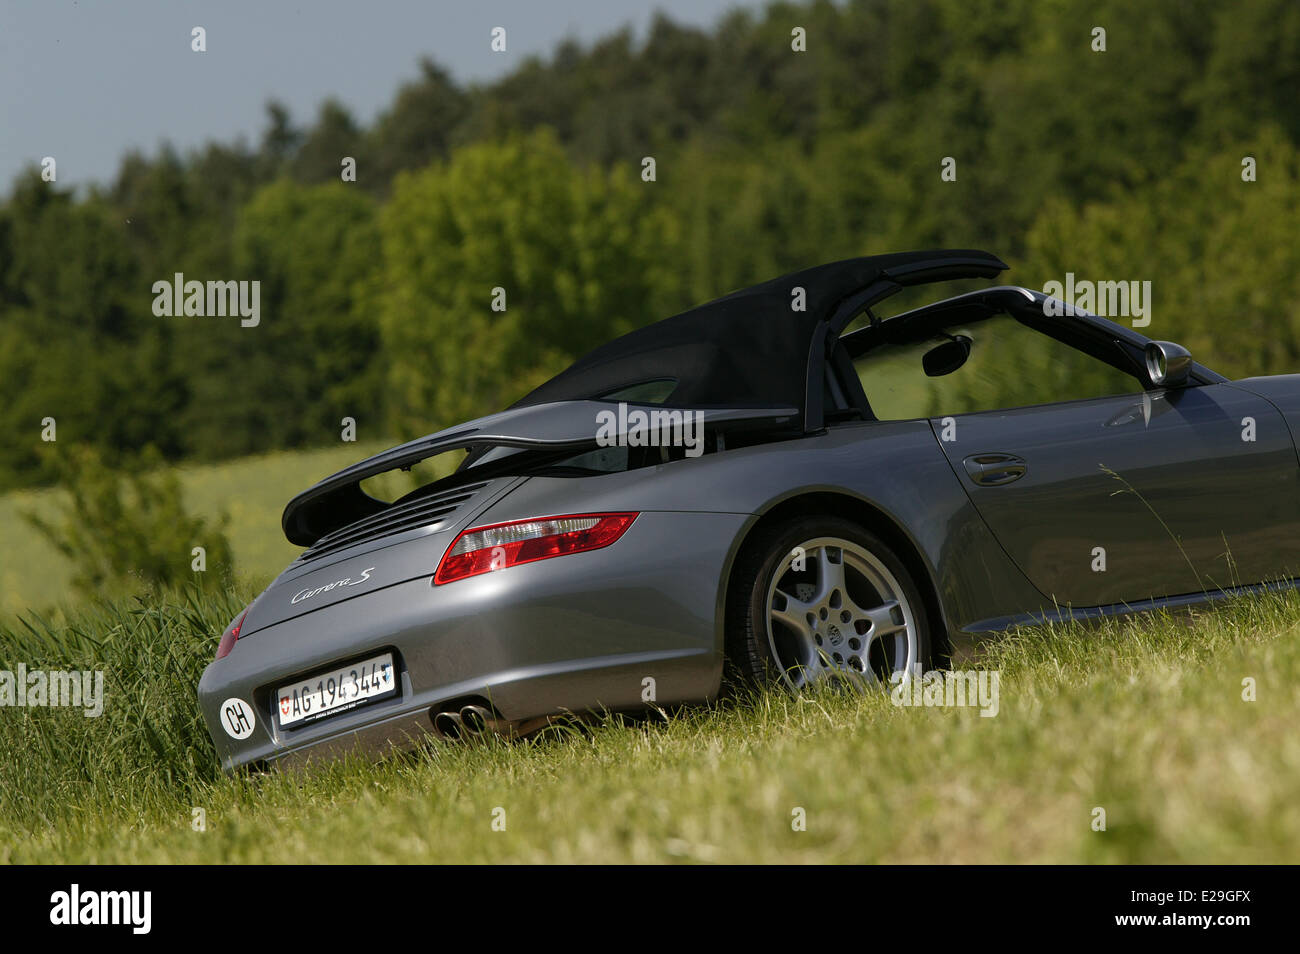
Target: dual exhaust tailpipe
column 467, row 722
column 475, row 721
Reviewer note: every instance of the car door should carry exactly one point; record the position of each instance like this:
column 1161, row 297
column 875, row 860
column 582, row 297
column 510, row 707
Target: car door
column 1134, row 496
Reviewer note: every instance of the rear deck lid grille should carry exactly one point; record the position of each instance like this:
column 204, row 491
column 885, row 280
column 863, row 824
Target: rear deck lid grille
column 433, row 512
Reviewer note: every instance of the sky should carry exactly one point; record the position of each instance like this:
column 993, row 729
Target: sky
column 85, row 81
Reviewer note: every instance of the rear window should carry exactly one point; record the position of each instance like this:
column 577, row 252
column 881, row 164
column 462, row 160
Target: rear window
column 647, row 392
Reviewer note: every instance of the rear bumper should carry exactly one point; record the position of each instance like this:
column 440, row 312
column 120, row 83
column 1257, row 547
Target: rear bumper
column 579, row 632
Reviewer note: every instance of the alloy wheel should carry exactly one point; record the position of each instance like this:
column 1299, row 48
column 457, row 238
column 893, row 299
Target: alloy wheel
column 836, row 612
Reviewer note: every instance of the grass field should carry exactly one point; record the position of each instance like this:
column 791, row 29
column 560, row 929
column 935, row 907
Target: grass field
column 252, row 490
column 1144, row 719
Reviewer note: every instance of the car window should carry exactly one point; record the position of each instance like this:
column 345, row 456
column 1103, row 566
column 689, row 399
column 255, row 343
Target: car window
column 647, row 392
column 1010, row 365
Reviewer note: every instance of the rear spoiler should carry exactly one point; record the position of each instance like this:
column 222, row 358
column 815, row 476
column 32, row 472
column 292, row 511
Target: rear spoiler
column 338, row 500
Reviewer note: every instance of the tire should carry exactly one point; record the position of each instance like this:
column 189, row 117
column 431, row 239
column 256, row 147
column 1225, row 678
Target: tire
column 855, row 613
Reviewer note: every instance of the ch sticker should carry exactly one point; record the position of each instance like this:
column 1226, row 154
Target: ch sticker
column 237, row 718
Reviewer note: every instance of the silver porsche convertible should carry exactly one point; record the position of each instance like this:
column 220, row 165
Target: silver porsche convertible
column 778, row 487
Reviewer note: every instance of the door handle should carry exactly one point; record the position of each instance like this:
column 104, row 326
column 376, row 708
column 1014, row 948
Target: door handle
column 992, row 470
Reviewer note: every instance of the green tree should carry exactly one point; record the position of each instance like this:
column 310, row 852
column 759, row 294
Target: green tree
column 313, row 357
column 123, row 529
column 1219, row 253
column 582, row 255
column 334, row 136
column 417, row 129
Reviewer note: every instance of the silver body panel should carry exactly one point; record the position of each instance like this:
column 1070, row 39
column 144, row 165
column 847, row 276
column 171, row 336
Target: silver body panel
column 586, row 630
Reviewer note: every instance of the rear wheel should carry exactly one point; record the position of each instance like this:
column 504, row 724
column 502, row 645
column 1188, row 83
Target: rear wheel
column 823, row 599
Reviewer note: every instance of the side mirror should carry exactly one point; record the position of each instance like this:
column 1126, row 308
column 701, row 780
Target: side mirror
column 1168, row 364
column 947, row 357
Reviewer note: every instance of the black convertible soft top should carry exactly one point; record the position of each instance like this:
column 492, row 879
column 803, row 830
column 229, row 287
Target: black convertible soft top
column 752, row 346
column 745, row 358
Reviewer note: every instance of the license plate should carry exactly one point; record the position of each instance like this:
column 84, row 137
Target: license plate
column 337, row 690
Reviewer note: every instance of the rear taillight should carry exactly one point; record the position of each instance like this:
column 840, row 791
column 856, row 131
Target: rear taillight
column 229, row 636
column 502, row 545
